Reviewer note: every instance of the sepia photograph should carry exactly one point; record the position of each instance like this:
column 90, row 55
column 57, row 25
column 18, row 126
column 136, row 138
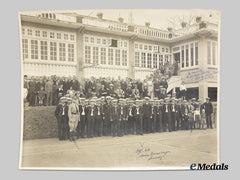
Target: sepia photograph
column 119, row 89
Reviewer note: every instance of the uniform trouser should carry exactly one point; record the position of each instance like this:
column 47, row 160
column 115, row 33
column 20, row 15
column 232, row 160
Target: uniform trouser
column 106, row 127
column 73, row 123
column 191, row 122
column 99, row 123
column 209, row 121
column 59, row 124
column 82, row 126
column 159, row 123
column 178, row 120
column 173, row 121
column 169, row 122
column 130, row 124
column 186, row 122
column 150, row 125
column 113, row 128
column 125, row 127
column 64, row 128
column 139, row 124
column 119, row 127
column 49, row 98
column 90, row 126
column 154, row 124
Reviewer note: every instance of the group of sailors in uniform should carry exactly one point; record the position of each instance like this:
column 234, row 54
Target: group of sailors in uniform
column 80, row 117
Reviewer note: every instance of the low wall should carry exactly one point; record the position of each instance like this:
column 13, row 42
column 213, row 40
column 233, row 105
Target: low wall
column 39, row 122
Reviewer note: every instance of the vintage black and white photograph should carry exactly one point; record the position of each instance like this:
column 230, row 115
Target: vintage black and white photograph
column 119, row 89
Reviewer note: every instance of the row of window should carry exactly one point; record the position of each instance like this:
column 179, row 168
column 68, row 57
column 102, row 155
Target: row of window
column 150, row 60
column 154, row 48
column 189, row 55
column 105, row 56
column 104, row 24
column 212, row 53
column 46, row 34
column 44, row 50
column 149, row 32
column 106, row 41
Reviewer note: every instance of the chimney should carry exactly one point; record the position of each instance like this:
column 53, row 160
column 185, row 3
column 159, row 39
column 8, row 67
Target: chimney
column 184, row 24
column 198, row 19
column 147, row 24
column 120, row 20
column 100, row 15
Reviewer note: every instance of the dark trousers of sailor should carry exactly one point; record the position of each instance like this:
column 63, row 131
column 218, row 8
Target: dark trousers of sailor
column 173, row 120
column 186, row 122
column 90, row 125
column 139, row 125
column 130, row 125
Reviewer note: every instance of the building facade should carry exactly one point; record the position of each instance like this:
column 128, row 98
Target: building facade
column 83, row 46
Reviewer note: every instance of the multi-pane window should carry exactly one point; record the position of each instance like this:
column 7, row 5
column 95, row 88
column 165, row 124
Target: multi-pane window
column 103, row 55
column 150, row 48
column 104, row 41
column 191, row 52
column 71, row 52
column 117, row 57
column 137, row 59
column 209, row 52
column 53, row 51
column 110, row 56
column 72, row 37
column 124, row 57
column 62, row 51
column 86, row 39
column 196, row 53
column 87, row 54
column 166, row 50
column 92, row 39
column 160, row 60
column 25, row 48
column 65, row 36
column 44, row 33
column 44, row 52
column 23, row 31
column 29, row 32
column 37, row 33
column 149, row 60
column 34, row 49
column 98, row 41
column 154, row 60
column 187, row 56
column 163, row 49
column 213, row 53
column 125, row 44
column 182, row 52
column 145, row 47
column 59, row 36
column 143, row 59
column 95, row 55
column 52, row 35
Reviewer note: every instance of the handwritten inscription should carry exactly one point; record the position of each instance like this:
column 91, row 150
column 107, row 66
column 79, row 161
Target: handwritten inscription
column 145, row 152
column 198, row 75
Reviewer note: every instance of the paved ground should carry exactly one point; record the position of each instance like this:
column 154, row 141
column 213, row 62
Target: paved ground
column 175, row 149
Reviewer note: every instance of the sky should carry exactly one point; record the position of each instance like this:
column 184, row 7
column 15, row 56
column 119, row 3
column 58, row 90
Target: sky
column 158, row 18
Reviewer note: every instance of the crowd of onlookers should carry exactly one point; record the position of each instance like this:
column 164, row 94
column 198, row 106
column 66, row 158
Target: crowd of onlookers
column 46, row 91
